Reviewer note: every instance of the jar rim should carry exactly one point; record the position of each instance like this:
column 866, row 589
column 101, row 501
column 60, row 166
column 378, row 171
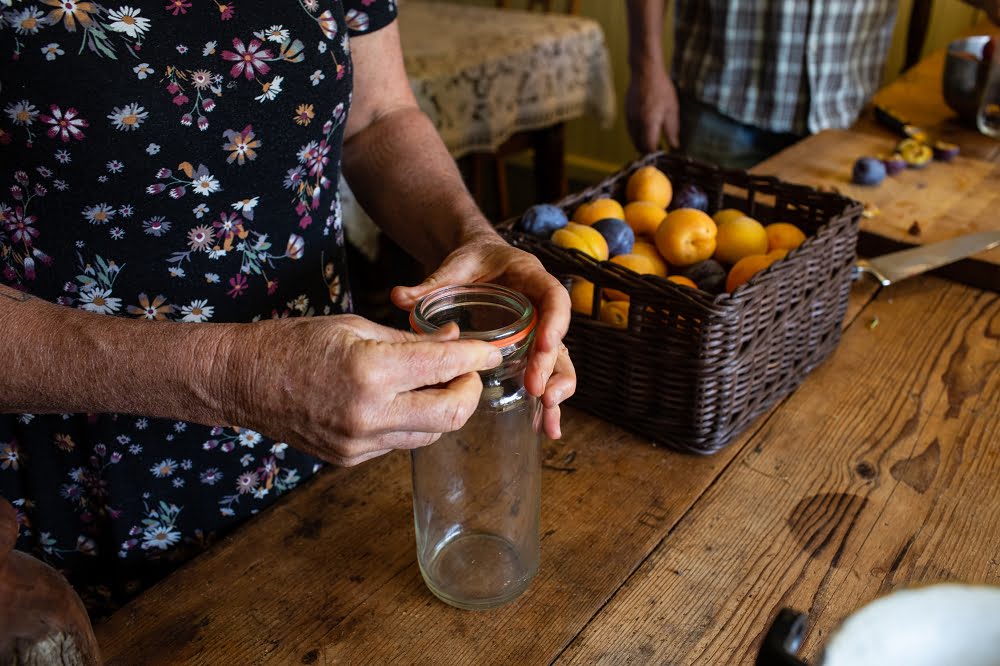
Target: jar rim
column 502, row 337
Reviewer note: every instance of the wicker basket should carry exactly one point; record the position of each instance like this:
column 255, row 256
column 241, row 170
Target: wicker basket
column 693, row 370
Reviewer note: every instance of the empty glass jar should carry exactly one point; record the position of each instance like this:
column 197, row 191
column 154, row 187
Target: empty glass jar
column 476, row 492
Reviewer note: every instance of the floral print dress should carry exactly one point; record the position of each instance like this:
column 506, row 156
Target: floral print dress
column 170, row 160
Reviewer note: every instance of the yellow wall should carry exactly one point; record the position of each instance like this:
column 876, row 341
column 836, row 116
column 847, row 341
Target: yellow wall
column 590, row 147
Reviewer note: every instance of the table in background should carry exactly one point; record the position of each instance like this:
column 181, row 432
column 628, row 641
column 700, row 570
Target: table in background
column 917, row 206
column 878, row 472
column 484, row 74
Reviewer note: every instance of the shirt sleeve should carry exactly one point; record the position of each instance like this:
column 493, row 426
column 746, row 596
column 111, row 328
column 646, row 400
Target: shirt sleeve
column 364, row 16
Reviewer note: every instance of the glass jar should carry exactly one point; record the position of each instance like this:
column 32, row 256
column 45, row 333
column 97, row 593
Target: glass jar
column 477, row 491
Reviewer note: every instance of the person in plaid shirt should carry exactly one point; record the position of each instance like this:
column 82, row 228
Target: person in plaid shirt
column 751, row 77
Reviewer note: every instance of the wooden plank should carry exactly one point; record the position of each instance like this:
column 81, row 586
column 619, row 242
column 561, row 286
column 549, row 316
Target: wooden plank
column 329, row 574
column 879, row 472
column 943, row 200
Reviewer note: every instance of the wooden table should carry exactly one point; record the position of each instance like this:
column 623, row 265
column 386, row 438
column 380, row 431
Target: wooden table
column 879, row 472
column 917, row 206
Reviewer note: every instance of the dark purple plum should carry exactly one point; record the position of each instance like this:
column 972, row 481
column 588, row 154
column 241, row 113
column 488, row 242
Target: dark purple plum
column 689, row 196
column 709, row 275
column 868, row 171
column 894, row 164
column 619, row 235
column 541, row 220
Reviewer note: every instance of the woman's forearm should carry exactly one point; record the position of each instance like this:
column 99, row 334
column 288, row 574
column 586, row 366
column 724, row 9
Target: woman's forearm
column 55, row 359
column 397, row 164
column 406, row 179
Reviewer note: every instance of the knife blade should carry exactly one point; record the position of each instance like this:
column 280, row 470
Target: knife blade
column 891, row 268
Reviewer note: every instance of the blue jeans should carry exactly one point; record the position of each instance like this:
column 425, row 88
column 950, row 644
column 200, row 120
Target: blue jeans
column 709, row 136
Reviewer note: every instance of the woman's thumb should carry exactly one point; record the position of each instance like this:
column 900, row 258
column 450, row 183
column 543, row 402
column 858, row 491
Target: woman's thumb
column 449, row 273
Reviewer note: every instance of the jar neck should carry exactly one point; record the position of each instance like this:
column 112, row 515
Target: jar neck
column 482, row 311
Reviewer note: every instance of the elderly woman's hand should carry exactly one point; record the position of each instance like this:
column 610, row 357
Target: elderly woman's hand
column 488, row 258
column 345, row 389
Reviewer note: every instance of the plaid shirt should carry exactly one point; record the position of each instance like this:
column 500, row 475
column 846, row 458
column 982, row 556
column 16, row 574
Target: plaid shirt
column 783, row 65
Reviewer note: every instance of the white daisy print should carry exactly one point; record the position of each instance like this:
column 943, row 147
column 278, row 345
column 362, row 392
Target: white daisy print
column 197, row 311
column 27, row 21
column 63, row 157
column 276, row 33
column 249, row 438
column 159, row 537
column 101, row 213
column 164, row 468
column 22, row 113
column 117, row 233
column 128, row 117
column 126, row 20
column 99, row 301
column 270, row 90
column 246, row 206
column 205, row 184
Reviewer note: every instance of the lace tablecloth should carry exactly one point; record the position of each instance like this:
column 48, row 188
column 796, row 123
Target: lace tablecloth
column 483, row 74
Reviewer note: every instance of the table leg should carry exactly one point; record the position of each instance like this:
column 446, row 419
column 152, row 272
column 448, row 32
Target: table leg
column 549, row 144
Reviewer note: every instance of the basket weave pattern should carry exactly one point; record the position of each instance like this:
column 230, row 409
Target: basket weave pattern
column 693, row 370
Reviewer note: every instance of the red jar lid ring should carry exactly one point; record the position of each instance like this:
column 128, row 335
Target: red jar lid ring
column 502, row 342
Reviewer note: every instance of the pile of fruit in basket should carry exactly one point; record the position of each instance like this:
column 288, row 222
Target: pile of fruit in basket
column 663, row 231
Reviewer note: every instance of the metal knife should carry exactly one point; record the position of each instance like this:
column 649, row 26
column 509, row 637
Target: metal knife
column 891, row 268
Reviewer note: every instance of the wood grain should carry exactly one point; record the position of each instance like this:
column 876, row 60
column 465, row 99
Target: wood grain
column 942, row 200
column 879, row 472
column 329, row 574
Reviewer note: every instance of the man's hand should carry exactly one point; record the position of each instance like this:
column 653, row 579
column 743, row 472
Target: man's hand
column 488, row 258
column 652, row 110
column 345, row 389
